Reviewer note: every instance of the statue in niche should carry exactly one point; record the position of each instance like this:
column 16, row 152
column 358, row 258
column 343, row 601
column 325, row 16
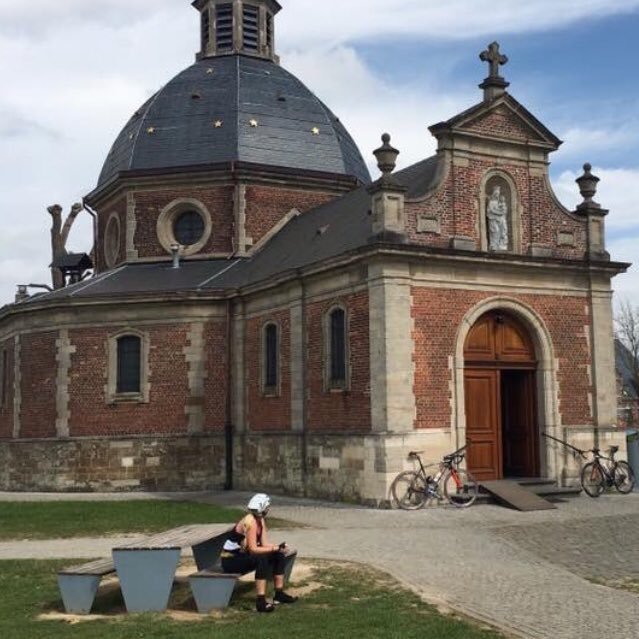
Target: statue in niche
column 497, row 217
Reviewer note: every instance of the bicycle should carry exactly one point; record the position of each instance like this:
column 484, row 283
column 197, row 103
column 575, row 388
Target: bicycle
column 596, row 477
column 413, row 489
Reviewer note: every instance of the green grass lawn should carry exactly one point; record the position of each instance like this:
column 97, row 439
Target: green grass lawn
column 64, row 519
column 337, row 601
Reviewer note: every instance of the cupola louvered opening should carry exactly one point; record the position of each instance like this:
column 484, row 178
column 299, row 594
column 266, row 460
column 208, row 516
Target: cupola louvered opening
column 250, row 28
column 269, row 31
column 224, row 27
column 206, row 28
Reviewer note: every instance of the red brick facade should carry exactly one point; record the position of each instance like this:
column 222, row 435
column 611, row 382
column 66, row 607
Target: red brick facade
column 337, row 410
column 266, row 206
column 7, row 390
column 268, row 411
column 438, row 314
column 38, row 368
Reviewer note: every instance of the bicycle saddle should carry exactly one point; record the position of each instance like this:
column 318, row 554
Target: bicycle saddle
column 415, row 453
column 614, row 449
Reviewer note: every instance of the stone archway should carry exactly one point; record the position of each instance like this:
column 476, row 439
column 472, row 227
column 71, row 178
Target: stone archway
column 539, row 385
column 499, row 390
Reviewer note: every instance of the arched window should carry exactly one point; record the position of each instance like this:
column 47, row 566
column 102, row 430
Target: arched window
column 271, row 358
column 337, row 342
column 129, row 364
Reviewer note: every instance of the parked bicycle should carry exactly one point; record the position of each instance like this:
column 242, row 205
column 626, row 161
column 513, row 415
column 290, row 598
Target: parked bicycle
column 413, row 489
column 597, row 476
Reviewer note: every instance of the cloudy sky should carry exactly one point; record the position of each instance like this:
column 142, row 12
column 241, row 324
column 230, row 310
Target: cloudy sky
column 73, row 71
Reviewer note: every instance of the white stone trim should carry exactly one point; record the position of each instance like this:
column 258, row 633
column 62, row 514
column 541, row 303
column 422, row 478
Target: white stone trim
column 112, row 396
column 548, row 416
column 17, row 386
column 195, row 355
column 131, row 226
column 64, row 351
column 169, row 215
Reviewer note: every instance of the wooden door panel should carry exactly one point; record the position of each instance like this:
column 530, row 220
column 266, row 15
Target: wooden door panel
column 513, row 344
column 480, row 343
column 483, row 423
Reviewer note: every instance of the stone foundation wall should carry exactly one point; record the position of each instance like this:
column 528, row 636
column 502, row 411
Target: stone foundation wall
column 112, row 465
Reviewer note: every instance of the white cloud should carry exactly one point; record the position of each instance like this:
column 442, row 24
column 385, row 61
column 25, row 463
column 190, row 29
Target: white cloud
column 618, row 191
column 307, row 21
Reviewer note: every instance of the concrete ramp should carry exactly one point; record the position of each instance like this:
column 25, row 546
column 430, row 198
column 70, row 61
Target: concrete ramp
column 515, row 495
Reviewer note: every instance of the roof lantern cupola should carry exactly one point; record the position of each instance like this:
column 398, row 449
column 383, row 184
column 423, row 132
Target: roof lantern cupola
column 229, row 27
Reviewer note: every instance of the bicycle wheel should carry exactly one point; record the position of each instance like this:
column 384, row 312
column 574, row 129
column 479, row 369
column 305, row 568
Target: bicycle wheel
column 460, row 488
column 624, row 478
column 592, row 479
column 409, row 490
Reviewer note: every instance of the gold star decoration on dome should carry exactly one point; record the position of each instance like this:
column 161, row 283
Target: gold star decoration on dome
column 151, row 130
column 315, row 131
column 131, row 136
column 253, row 122
column 218, row 124
column 209, row 71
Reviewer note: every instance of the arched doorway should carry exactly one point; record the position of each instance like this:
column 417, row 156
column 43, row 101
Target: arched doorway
column 499, row 390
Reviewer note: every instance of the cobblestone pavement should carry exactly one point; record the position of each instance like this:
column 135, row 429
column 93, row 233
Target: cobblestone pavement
column 524, row 572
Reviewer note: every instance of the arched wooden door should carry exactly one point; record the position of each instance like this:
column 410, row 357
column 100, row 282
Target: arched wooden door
column 499, row 385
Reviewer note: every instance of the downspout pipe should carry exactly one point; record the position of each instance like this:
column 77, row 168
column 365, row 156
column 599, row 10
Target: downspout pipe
column 94, row 215
column 229, row 429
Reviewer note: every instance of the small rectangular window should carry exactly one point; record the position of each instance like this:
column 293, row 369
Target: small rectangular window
column 224, row 27
column 271, row 348
column 250, row 28
column 129, row 364
column 338, row 347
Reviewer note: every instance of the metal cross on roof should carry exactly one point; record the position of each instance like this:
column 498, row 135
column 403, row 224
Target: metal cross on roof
column 494, row 58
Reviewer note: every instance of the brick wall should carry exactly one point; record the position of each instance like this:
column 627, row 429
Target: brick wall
column 266, row 206
column 268, row 412
column 92, row 416
column 337, row 410
column 438, row 314
column 216, row 383
column 7, row 395
column 38, row 387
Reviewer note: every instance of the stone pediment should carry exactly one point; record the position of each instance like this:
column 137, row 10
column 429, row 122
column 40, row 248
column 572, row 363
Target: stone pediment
column 504, row 119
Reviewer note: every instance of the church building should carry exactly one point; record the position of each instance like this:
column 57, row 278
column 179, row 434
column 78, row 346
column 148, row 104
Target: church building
column 263, row 315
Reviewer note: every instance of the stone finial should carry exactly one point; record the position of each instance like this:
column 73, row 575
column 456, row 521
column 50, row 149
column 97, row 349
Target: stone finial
column 22, row 294
column 494, row 85
column 386, row 157
column 588, row 188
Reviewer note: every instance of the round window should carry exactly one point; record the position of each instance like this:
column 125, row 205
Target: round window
column 112, row 241
column 188, row 228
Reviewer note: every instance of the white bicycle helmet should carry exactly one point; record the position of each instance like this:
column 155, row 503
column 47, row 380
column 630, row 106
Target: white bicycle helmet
column 259, row 504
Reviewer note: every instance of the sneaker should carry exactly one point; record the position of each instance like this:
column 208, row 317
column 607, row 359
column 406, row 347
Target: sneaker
column 283, row 598
column 261, row 605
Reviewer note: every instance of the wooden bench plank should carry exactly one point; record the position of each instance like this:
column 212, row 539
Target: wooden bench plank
column 99, row 567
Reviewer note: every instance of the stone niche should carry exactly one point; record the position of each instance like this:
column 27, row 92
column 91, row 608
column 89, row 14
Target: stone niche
column 500, row 215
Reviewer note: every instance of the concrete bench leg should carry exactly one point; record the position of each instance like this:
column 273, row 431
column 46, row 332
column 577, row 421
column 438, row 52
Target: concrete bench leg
column 146, row 577
column 212, row 593
column 78, row 592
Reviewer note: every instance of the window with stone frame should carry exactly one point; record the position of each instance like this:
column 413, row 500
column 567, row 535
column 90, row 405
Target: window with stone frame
column 128, row 367
column 250, row 28
column 270, row 359
column 336, row 340
column 206, row 26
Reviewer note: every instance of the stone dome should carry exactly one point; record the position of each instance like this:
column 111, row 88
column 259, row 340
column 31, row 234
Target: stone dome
column 234, row 108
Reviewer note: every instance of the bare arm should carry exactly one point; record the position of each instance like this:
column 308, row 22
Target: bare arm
column 251, row 543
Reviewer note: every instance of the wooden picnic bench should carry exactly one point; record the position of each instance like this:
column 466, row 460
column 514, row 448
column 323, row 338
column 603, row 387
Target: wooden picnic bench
column 146, row 567
column 146, row 570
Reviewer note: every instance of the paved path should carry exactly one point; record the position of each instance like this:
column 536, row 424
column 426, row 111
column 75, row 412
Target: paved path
column 524, row 572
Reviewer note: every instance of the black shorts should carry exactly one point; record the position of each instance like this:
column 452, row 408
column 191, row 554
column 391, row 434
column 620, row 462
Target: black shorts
column 264, row 566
